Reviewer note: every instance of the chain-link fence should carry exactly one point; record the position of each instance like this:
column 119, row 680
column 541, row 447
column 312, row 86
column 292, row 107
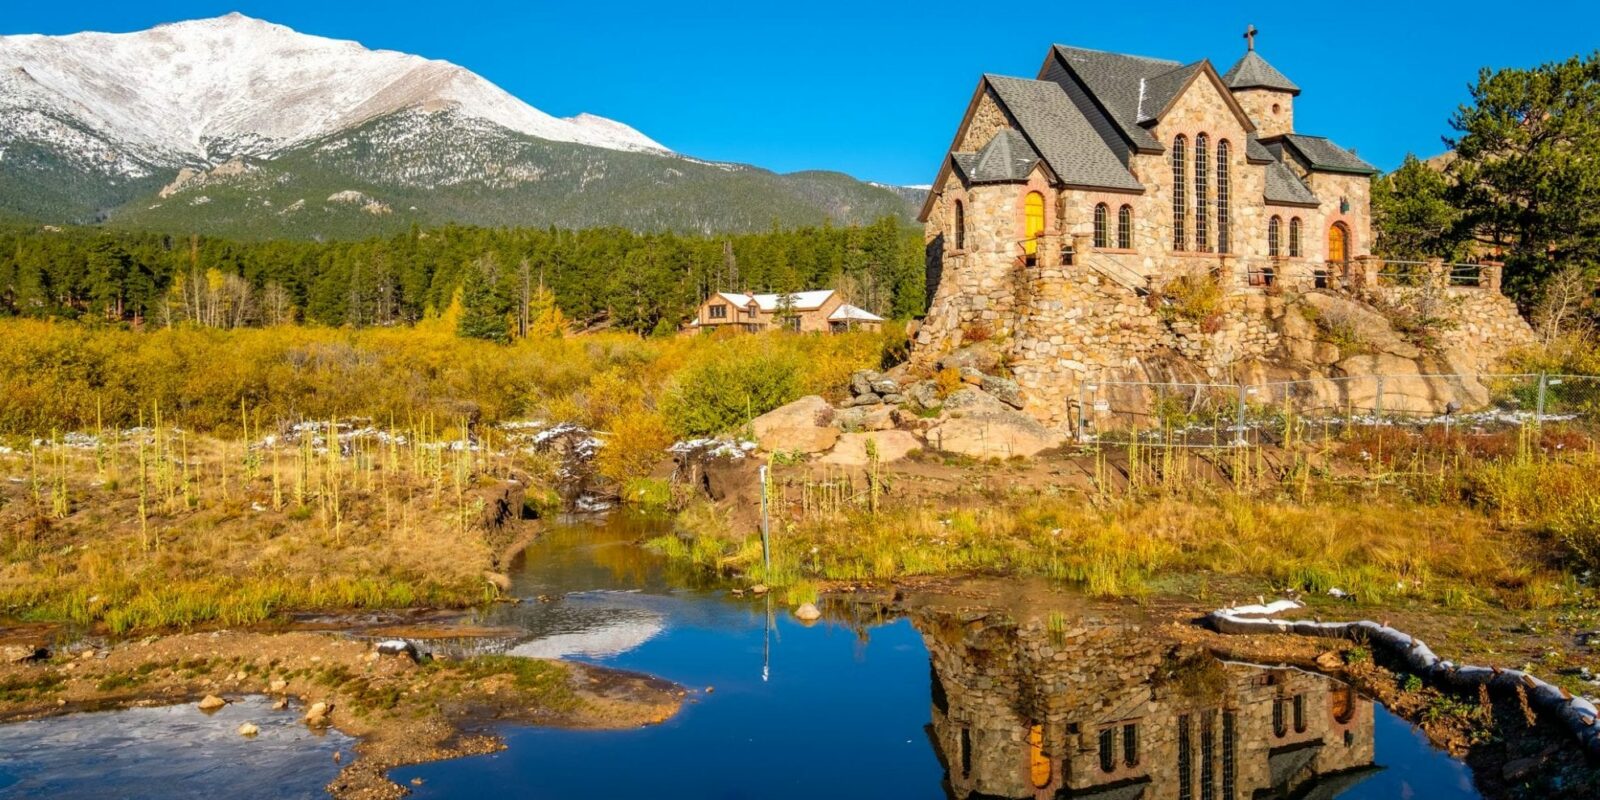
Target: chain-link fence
column 1230, row 414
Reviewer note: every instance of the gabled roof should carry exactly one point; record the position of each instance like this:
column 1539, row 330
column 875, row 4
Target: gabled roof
column 1061, row 134
column 853, row 314
column 799, row 301
column 1161, row 91
column 1253, row 72
column 1284, row 188
column 1322, row 155
column 1007, row 157
column 1116, row 82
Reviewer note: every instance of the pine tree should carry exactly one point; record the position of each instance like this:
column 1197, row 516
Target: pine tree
column 484, row 310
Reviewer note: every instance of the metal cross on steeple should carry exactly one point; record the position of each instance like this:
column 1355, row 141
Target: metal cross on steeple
column 1250, row 37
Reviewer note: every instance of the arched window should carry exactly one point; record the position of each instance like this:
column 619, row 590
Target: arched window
column 1032, row 222
column 1280, row 722
column 1125, row 227
column 1339, row 244
column 1202, row 199
column 1039, row 767
column 1294, row 237
column 961, row 225
column 1180, row 203
column 1299, row 713
column 1130, row 744
column 1272, row 236
column 1222, row 196
column 1101, row 235
column 1108, row 750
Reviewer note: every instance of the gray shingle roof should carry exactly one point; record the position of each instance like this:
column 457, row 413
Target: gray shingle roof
column 1118, row 82
column 1160, row 91
column 1254, row 150
column 1253, row 72
column 1007, row 157
column 1323, row 155
column 1061, row 134
column 1285, row 188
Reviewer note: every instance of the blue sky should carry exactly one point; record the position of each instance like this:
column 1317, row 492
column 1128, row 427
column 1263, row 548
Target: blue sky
column 876, row 90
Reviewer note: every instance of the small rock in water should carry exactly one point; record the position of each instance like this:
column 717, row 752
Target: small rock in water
column 758, row 589
column 807, row 612
column 710, row 689
column 416, row 781
column 280, row 704
column 212, row 702
column 318, row 713
column 248, row 729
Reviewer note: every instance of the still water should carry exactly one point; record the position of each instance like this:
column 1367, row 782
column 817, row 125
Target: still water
column 944, row 702
column 954, row 699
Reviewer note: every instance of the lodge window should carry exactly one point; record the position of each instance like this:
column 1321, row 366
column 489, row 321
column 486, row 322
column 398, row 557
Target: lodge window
column 791, row 323
column 1222, row 196
column 1229, row 731
column 1273, row 226
column 719, row 311
column 961, row 225
column 1100, row 222
column 1108, row 750
column 1130, row 744
column 1294, row 237
column 1125, row 228
column 1185, row 760
column 1180, row 203
column 1202, row 168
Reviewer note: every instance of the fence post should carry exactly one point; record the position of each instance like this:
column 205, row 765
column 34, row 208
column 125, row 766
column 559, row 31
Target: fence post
column 766, row 529
column 1239, row 417
column 1377, row 402
column 1538, row 413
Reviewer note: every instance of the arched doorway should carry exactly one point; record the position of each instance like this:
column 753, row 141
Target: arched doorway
column 1338, row 244
column 1032, row 222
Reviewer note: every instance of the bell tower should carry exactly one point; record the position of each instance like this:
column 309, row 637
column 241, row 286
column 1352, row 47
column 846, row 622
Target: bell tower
column 1262, row 91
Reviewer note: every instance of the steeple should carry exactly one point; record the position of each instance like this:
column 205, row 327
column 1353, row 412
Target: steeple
column 1253, row 72
column 1261, row 90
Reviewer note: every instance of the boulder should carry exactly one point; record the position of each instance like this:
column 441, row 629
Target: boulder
column 971, row 400
column 212, row 702
column 278, row 685
column 248, row 729
column 924, row 394
column 982, row 356
column 861, row 381
column 798, row 427
column 1366, row 324
column 894, row 399
column 18, row 653
column 972, row 377
column 807, row 612
column 866, row 418
column 884, row 386
column 1002, row 389
column 758, row 589
column 851, row 451
column 995, row 434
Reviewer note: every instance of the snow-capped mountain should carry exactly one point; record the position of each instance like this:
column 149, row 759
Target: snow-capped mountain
column 205, row 91
column 238, row 126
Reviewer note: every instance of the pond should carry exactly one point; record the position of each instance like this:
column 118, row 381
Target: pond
column 943, row 702
column 947, row 698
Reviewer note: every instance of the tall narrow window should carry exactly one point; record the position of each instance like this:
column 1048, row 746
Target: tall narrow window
column 1280, row 724
column 961, row 225
column 1038, row 763
column 1125, row 228
column 1229, row 731
column 1294, row 237
column 1273, row 226
column 966, row 751
column 1208, row 752
column 1180, row 198
column 1338, row 243
column 1130, row 744
column 1223, row 242
column 1202, row 199
column 1100, row 224
column 1033, row 222
column 1185, row 761
column 1299, row 713
column 1108, row 750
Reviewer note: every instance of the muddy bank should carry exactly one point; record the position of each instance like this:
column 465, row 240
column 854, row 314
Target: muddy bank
column 400, row 710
